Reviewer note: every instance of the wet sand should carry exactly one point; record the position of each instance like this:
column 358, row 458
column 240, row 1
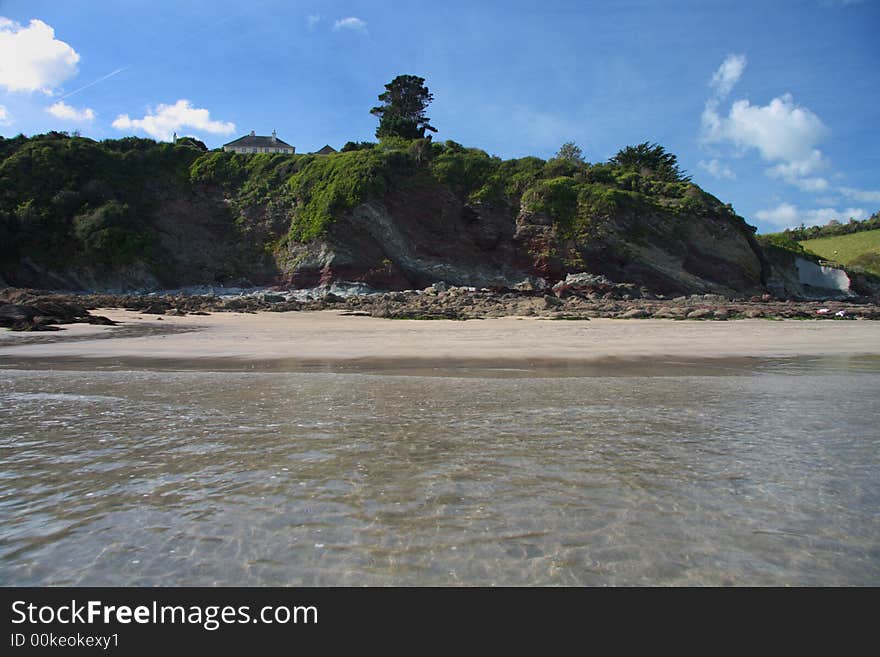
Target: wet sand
column 331, row 337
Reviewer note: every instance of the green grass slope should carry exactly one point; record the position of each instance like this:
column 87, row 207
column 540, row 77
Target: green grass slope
column 860, row 251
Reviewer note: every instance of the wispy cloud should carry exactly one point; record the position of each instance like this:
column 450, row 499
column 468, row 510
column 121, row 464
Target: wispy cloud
column 5, row 117
column 312, row 20
column 862, row 195
column 163, row 121
column 728, row 74
column 717, row 169
column 537, row 128
column 813, row 185
column 352, row 23
column 65, row 112
column 786, row 215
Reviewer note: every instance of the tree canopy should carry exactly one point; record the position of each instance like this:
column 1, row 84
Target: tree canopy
column 650, row 158
column 402, row 112
column 192, row 142
column 570, row 152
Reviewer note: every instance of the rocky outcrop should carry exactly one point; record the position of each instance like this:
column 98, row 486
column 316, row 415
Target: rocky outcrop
column 579, row 299
column 701, row 252
column 411, row 238
column 22, row 310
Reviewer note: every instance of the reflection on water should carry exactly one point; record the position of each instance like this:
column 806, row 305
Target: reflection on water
column 765, row 472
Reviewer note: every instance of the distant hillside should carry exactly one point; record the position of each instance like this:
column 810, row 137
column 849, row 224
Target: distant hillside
column 833, row 228
column 857, row 251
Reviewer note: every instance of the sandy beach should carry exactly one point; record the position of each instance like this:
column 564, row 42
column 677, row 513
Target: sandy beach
column 332, row 337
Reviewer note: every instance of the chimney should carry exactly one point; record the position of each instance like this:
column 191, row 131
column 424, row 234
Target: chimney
column 274, row 136
column 253, row 134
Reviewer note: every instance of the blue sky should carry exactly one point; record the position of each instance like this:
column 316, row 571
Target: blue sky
column 771, row 106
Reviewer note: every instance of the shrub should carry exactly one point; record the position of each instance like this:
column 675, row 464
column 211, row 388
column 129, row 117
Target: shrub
column 112, row 234
column 327, row 186
column 781, row 241
column 557, row 197
column 465, row 170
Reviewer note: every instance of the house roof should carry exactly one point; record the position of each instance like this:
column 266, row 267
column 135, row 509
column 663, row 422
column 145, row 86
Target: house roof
column 252, row 140
column 327, row 150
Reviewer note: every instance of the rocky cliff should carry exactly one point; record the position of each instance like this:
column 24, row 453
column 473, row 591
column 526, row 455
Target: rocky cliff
column 133, row 214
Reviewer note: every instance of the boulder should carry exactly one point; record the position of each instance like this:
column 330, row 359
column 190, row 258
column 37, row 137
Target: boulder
column 701, row 313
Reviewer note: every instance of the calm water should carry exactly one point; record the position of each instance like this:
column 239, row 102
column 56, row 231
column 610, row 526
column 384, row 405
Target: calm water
column 749, row 472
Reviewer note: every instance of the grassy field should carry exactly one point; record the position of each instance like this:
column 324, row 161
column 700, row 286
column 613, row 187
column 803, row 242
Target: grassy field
column 856, row 250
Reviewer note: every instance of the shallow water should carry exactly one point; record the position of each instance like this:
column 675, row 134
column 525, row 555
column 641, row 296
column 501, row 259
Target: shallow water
column 741, row 472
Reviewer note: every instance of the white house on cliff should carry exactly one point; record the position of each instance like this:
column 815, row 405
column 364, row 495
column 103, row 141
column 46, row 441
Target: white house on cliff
column 254, row 143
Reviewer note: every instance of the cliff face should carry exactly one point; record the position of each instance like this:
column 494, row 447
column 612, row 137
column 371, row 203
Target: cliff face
column 468, row 219
column 136, row 215
column 410, row 238
column 660, row 249
column 193, row 240
column 413, row 238
column 118, row 216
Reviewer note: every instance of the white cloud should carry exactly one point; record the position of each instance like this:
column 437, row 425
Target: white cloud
column 352, row 23
column 5, row 118
column 65, row 112
column 781, row 131
column 163, row 121
column 798, row 173
column 717, row 169
column 863, row 195
column 786, row 215
column 728, row 74
column 32, row 59
column 785, row 134
column 312, row 20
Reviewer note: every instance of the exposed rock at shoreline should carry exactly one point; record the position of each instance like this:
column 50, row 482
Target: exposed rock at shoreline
column 38, row 310
column 26, row 310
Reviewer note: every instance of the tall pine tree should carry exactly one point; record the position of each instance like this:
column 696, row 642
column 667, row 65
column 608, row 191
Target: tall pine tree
column 402, row 113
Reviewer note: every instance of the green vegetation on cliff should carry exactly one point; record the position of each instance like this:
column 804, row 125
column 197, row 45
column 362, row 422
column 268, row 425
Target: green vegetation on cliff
column 783, row 242
column 316, row 190
column 68, row 201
